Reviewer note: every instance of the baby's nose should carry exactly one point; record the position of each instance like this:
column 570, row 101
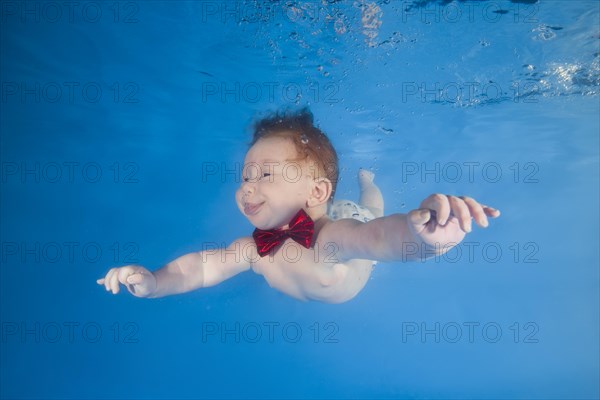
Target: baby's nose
column 247, row 187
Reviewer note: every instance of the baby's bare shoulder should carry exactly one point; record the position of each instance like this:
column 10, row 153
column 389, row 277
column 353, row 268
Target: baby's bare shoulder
column 336, row 231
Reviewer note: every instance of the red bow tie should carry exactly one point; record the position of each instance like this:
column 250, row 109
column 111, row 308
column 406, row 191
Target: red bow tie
column 301, row 229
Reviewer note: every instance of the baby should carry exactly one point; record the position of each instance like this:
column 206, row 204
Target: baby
column 304, row 244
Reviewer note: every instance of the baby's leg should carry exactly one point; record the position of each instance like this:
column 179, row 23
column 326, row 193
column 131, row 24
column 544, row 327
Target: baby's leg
column 370, row 195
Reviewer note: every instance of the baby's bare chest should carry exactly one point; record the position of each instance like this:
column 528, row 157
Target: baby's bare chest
column 295, row 269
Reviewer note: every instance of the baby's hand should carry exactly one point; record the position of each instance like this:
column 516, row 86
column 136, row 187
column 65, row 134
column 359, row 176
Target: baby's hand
column 443, row 219
column 139, row 281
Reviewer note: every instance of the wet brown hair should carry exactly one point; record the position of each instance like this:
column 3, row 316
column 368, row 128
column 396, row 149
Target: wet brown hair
column 310, row 142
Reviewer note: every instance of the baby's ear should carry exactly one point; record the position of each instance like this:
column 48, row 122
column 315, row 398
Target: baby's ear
column 320, row 192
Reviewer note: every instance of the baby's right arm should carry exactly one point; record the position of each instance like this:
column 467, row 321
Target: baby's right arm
column 186, row 273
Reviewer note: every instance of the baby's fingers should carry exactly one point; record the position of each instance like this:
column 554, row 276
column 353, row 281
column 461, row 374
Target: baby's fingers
column 135, row 279
column 476, row 211
column 129, row 276
column 108, row 277
column 111, row 281
column 491, row 212
column 440, row 204
column 418, row 218
column 461, row 211
column 114, row 281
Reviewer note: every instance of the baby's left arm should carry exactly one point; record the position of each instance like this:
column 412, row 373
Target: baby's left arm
column 440, row 223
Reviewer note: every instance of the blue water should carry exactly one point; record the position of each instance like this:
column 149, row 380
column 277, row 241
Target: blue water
column 114, row 115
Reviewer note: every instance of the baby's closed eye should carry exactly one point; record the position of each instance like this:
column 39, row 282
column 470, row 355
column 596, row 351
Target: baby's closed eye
column 264, row 175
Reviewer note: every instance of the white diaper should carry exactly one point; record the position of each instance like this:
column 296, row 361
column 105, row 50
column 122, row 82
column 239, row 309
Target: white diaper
column 341, row 209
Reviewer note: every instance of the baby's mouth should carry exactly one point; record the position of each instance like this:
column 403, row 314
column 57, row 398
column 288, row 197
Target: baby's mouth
column 252, row 209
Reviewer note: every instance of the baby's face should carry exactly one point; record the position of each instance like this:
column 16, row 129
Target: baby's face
column 274, row 185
